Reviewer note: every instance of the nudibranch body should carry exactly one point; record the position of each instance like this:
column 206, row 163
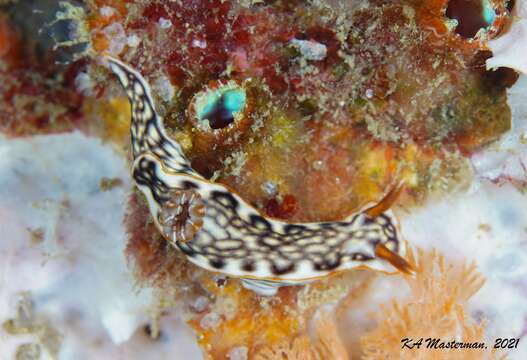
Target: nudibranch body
column 219, row 231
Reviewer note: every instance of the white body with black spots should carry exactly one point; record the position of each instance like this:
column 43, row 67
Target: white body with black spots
column 219, row 231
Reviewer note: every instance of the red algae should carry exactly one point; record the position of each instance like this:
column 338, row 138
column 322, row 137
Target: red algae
column 147, row 248
column 29, row 106
column 282, row 209
column 36, row 95
column 6, row 36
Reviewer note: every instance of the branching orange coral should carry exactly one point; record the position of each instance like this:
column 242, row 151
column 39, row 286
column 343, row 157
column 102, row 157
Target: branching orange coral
column 435, row 309
column 326, row 345
column 298, row 349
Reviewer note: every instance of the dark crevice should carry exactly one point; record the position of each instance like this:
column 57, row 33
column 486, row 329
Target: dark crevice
column 471, row 15
column 219, row 116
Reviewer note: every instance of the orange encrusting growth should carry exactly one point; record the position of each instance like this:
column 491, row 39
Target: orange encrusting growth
column 115, row 116
column 252, row 324
column 97, row 22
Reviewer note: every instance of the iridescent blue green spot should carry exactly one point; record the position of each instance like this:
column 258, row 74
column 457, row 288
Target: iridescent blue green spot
column 220, row 106
column 488, row 12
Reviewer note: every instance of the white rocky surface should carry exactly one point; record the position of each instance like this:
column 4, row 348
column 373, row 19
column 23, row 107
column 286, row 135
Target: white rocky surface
column 62, row 244
column 310, row 50
column 509, row 49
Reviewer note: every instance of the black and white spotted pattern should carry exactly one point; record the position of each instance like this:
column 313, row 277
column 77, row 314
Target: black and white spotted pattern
column 147, row 131
column 235, row 239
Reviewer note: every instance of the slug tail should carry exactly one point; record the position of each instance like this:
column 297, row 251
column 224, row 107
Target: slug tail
column 147, row 130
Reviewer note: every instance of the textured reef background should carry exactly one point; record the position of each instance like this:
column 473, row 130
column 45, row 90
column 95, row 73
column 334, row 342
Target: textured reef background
column 309, row 110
